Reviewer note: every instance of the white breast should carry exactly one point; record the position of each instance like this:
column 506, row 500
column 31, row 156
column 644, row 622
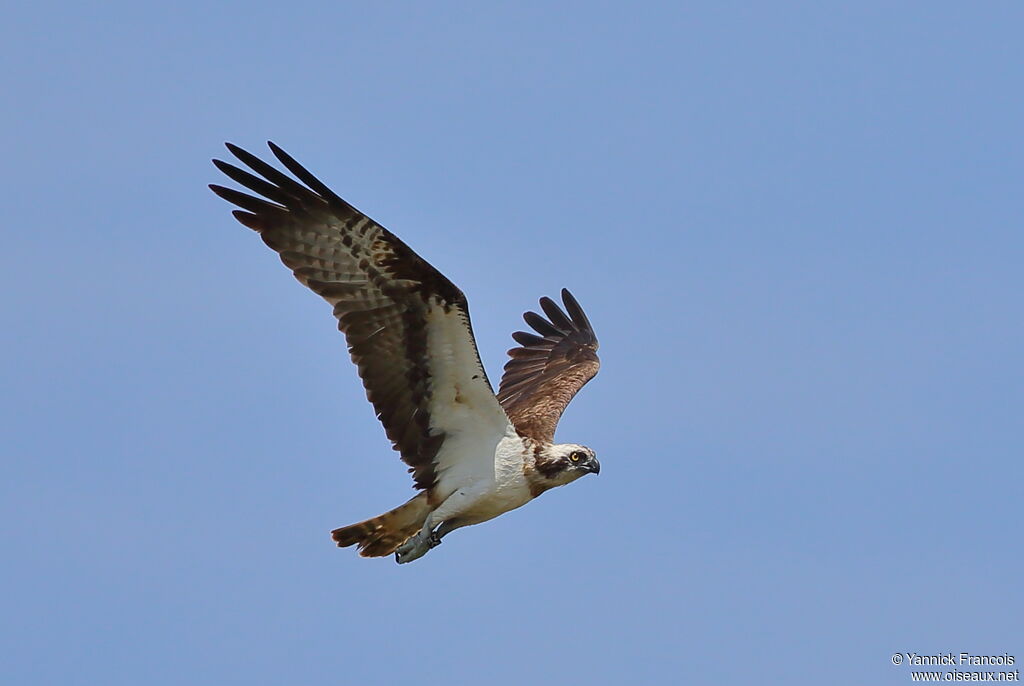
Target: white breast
column 486, row 496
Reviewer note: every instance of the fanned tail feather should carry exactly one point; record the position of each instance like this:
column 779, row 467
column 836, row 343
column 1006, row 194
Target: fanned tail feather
column 381, row 535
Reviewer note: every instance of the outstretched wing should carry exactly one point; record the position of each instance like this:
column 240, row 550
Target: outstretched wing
column 546, row 371
column 407, row 326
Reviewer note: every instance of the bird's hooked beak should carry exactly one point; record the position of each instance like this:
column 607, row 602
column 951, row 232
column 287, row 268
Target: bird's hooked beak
column 593, row 465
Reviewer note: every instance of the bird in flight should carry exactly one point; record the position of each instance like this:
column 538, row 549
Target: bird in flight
column 473, row 455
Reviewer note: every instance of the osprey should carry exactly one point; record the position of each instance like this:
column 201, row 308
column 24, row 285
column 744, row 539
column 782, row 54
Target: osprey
column 473, row 455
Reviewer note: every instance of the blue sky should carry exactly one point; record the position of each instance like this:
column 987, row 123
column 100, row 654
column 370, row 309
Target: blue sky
column 796, row 227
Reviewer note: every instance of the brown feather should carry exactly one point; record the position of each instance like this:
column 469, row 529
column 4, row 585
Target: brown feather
column 380, row 289
column 381, row 535
column 545, row 373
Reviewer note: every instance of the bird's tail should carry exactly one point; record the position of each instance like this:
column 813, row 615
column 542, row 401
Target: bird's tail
column 382, row 534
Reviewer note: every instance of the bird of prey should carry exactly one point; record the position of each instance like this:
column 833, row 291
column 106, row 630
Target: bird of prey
column 473, row 455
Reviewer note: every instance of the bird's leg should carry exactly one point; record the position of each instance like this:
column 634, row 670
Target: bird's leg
column 446, row 528
column 417, row 546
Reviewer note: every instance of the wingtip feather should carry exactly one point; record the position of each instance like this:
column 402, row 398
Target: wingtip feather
column 219, row 190
column 247, row 219
column 555, row 314
column 307, row 177
column 541, row 325
column 576, row 313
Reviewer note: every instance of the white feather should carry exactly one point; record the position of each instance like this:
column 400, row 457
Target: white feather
column 480, row 464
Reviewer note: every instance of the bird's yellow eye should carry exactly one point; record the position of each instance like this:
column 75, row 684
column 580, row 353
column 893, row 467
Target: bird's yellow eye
column 575, row 457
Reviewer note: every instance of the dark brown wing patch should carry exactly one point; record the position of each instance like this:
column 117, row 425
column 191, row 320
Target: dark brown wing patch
column 380, row 289
column 546, row 371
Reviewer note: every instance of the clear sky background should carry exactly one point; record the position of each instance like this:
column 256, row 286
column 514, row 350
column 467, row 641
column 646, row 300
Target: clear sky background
column 796, row 227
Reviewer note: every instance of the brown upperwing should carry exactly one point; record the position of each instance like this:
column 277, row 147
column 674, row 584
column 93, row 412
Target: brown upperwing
column 546, row 371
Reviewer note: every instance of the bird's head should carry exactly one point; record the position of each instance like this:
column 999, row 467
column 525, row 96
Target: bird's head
column 566, row 462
